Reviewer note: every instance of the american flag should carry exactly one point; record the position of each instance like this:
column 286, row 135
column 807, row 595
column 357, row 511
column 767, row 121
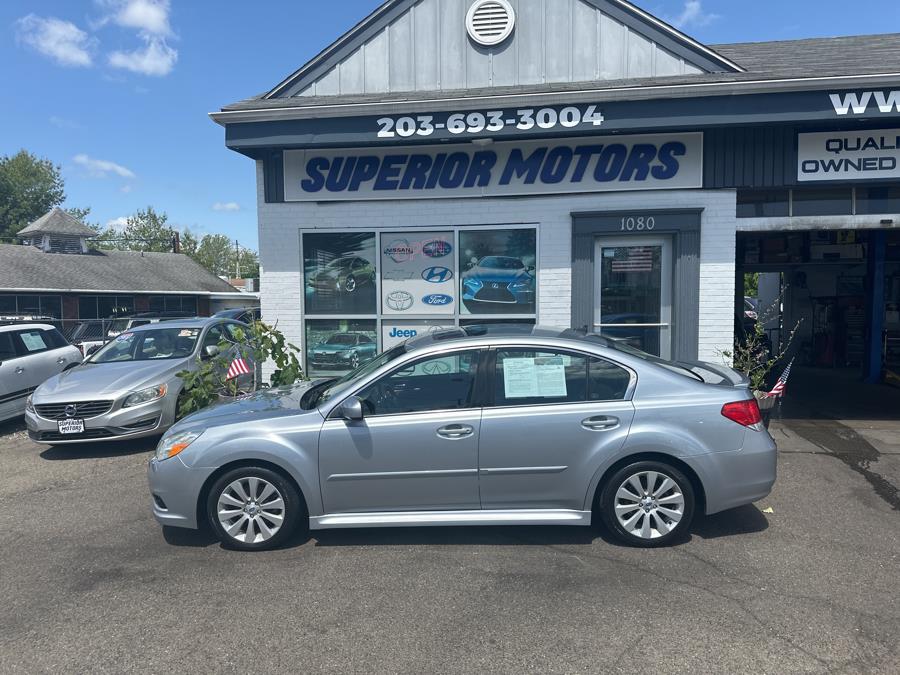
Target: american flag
column 778, row 389
column 238, row 367
column 637, row 259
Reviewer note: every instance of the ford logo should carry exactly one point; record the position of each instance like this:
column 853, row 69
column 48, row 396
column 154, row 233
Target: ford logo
column 436, row 248
column 437, row 299
column 437, row 275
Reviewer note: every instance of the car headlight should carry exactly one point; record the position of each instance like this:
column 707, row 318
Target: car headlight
column 145, row 395
column 172, row 445
column 474, row 284
column 522, row 285
column 29, row 404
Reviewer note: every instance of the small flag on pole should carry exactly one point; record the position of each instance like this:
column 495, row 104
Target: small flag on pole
column 238, row 367
column 778, row 389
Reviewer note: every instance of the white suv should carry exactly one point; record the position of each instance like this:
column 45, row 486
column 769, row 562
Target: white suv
column 29, row 354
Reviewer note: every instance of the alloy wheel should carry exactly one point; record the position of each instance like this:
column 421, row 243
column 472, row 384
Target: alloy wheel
column 350, row 284
column 251, row 510
column 649, row 504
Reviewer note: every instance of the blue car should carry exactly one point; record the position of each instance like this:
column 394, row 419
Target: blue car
column 342, row 351
column 498, row 279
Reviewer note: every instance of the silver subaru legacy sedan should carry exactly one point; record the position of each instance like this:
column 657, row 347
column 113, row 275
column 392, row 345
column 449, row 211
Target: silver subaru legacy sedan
column 129, row 388
column 473, row 426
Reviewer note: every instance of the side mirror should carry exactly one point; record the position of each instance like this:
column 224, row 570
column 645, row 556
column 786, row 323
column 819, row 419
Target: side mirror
column 210, row 352
column 351, row 409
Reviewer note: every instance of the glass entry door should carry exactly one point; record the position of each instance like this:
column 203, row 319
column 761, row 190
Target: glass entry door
column 633, row 292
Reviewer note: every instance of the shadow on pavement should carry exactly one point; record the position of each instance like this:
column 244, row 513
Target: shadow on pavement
column 178, row 536
column 100, row 450
column 742, row 520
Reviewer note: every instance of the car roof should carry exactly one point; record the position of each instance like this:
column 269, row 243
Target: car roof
column 487, row 333
column 197, row 322
column 26, row 326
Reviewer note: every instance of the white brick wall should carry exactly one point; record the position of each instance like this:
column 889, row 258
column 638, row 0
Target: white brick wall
column 279, row 246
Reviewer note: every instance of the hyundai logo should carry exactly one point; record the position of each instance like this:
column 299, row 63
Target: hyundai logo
column 437, row 275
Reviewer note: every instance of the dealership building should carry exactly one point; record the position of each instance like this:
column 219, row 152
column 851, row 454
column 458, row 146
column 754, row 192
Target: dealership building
column 578, row 163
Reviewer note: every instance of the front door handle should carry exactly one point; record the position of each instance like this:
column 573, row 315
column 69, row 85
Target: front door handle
column 454, row 431
column 61, row 360
column 19, row 370
column 600, row 423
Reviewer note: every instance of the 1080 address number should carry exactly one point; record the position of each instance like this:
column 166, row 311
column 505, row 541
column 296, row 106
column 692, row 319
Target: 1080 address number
column 492, row 121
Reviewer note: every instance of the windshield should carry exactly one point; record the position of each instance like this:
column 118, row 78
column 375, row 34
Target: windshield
column 339, row 339
column 501, row 263
column 149, row 345
column 363, row 371
column 340, row 263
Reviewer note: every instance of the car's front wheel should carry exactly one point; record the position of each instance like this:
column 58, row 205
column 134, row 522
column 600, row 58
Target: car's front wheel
column 647, row 504
column 254, row 508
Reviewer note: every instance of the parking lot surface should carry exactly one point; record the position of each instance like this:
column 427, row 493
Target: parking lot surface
column 807, row 580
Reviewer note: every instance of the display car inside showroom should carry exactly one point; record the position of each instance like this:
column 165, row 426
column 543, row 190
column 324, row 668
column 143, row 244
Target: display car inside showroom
column 579, row 163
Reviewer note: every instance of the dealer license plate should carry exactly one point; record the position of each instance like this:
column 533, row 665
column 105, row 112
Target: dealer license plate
column 71, row 426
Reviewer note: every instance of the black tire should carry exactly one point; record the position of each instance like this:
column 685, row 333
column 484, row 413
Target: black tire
column 295, row 518
column 609, row 499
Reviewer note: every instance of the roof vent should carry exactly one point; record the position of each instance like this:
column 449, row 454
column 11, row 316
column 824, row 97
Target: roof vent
column 490, row 22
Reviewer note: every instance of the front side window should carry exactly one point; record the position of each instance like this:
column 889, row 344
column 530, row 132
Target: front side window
column 537, row 377
column 444, row 382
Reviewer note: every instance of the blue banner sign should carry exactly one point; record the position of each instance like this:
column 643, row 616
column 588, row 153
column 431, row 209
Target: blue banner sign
column 602, row 163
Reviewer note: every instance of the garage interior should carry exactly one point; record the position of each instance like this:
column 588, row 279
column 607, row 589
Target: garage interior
column 839, row 292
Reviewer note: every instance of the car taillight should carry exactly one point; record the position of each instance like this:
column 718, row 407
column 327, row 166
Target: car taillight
column 745, row 413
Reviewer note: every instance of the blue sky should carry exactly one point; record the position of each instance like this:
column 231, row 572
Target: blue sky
column 117, row 91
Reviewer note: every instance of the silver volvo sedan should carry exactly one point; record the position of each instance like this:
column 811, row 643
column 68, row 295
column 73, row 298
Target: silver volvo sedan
column 129, row 388
column 471, row 426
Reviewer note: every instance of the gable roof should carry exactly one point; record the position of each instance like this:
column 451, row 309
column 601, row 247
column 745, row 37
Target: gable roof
column 567, row 31
column 27, row 268
column 58, row 221
column 813, row 59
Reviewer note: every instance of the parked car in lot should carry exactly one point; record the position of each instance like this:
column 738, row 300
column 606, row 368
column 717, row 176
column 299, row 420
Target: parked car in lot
column 342, row 351
column 128, row 388
column 473, row 426
column 246, row 315
column 29, row 354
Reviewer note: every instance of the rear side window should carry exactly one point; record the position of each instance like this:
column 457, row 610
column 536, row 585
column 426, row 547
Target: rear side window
column 536, row 377
column 54, row 339
column 33, row 341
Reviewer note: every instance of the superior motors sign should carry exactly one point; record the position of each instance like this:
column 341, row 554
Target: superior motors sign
column 849, row 155
column 649, row 162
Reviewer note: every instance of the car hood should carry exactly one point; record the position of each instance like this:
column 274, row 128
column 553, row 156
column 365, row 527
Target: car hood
column 104, row 380
column 331, row 348
column 265, row 404
column 489, row 274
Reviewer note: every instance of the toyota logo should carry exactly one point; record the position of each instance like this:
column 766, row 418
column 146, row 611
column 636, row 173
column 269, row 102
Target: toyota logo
column 71, row 410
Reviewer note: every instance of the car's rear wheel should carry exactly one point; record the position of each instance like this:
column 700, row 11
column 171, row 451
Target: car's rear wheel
column 253, row 508
column 647, row 504
column 350, row 284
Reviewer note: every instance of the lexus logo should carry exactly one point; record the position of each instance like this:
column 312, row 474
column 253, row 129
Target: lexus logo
column 495, row 285
column 71, row 410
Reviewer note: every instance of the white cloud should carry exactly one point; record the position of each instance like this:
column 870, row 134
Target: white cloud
column 147, row 16
column 62, row 41
column 155, row 58
column 101, row 167
column 693, row 14
column 118, row 224
column 226, row 206
column 63, row 123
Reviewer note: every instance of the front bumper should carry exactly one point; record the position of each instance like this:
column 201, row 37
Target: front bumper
column 175, row 490
column 150, row 419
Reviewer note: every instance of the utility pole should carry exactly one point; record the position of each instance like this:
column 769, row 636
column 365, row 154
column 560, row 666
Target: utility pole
column 237, row 260
column 176, row 243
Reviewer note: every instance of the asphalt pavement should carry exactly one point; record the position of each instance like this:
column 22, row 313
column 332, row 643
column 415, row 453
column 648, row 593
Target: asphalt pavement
column 806, row 581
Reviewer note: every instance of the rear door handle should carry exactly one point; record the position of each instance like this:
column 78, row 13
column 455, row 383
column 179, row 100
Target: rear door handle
column 454, row 431
column 600, row 423
column 19, row 370
column 61, row 360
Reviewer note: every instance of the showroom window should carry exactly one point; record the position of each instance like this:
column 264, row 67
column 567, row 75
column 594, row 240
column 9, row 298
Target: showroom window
column 173, row 303
column 104, row 306
column 366, row 291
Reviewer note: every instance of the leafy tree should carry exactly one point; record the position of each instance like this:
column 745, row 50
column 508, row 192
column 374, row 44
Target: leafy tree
column 29, row 187
column 146, row 230
column 216, row 253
